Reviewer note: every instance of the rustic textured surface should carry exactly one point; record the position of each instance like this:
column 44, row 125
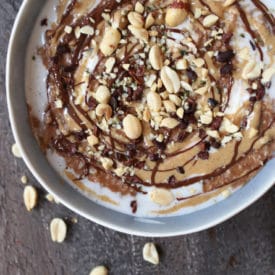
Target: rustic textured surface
column 243, row 245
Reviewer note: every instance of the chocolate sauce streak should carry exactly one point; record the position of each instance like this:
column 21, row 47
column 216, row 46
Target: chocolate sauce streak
column 266, row 13
column 115, row 160
column 251, row 32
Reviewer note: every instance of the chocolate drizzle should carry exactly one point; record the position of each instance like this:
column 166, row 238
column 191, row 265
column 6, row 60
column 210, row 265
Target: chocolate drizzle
column 266, row 13
column 251, row 32
column 62, row 67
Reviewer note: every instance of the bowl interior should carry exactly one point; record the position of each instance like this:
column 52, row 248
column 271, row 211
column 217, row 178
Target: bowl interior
column 53, row 183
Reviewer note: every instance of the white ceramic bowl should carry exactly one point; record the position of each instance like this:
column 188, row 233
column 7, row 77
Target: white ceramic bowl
column 53, row 183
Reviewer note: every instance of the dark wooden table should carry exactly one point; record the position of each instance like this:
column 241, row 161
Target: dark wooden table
column 243, row 245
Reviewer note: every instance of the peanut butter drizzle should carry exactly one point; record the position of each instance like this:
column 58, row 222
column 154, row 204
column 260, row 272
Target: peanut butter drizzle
column 89, row 191
column 251, row 32
column 202, row 198
column 194, row 201
column 78, row 120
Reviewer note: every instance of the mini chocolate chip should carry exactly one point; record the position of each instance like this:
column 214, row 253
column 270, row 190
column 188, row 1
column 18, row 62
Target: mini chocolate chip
column 62, row 49
column 243, row 123
column 190, row 118
column 180, row 170
column 268, row 85
column 212, row 102
column 91, row 103
column 160, row 145
column 174, row 115
column 130, row 94
column 44, row 22
column 113, row 103
column 153, row 157
column 106, row 152
column 253, row 99
column 214, row 143
column 225, row 56
column 118, row 91
column 203, row 155
column 192, row 76
column 137, row 95
column 204, row 146
column 190, row 106
column 171, row 179
column 115, row 165
column 129, row 162
column 183, row 52
column 260, row 92
column 202, row 133
column 133, row 205
column 131, row 153
column 134, row 95
column 120, row 157
column 96, row 130
column 70, row 68
column 183, row 123
column 226, row 69
column 207, row 145
column 80, row 135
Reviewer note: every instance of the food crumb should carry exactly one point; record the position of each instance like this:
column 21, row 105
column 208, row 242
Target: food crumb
column 226, row 193
column 150, row 253
column 16, row 151
column 24, row 179
column 51, row 198
column 74, row 220
column 44, row 22
column 99, row 270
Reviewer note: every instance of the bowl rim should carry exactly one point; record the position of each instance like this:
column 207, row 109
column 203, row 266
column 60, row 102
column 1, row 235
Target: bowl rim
column 232, row 209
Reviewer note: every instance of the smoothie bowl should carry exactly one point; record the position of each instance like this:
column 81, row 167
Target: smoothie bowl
column 153, row 118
